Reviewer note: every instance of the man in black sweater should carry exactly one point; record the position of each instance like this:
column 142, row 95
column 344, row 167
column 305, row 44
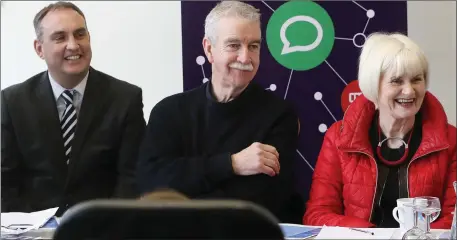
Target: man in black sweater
column 229, row 138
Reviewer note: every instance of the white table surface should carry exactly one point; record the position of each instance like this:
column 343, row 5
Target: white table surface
column 396, row 233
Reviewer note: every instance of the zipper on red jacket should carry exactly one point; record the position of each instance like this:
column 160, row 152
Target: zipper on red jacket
column 374, row 160
column 344, row 115
column 412, row 160
column 376, row 180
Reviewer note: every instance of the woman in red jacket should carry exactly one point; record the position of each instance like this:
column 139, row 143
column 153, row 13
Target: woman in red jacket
column 356, row 182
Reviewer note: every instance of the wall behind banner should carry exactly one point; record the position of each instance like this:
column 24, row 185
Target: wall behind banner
column 143, row 41
column 316, row 93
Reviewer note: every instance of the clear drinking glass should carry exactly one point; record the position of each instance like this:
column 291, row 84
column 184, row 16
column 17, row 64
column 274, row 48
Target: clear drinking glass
column 416, row 232
column 454, row 219
column 430, row 207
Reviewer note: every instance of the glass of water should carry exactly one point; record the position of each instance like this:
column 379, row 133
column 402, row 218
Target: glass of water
column 430, row 207
column 415, row 232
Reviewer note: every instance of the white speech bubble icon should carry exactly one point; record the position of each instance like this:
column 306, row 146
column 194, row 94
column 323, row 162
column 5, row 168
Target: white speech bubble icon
column 286, row 48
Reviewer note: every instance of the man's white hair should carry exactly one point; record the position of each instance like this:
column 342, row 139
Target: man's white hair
column 228, row 9
column 385, row 53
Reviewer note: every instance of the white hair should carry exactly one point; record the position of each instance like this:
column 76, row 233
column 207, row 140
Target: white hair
column 228, row 9
column 389, row 53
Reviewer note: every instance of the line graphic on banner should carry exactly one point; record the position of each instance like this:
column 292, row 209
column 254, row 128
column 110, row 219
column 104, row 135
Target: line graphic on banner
column 268, row 6
column 288, row 83
column 306, row 161
column 340, row 38
column 358, row 4
column 318, row 97
column 366, row 25
column 336, row 72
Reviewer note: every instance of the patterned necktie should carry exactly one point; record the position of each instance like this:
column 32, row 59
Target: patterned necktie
column 68, row 122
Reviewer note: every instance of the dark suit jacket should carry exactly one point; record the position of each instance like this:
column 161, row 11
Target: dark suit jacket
column 35, row 174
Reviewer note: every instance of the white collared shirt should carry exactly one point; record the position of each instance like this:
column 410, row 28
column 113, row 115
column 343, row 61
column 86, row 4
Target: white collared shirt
column 78, row 94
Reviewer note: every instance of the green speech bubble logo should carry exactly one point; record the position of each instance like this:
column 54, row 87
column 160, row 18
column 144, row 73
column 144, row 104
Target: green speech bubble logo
column 300, row 35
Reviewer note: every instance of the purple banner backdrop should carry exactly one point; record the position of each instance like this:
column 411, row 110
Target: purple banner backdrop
column 316, row 93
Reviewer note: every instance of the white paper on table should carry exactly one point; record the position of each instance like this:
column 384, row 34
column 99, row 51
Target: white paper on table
column 34, row 220
column 348, row 233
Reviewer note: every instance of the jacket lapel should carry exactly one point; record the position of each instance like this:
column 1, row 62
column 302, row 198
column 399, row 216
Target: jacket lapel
column 50, row 122
column 91, row 108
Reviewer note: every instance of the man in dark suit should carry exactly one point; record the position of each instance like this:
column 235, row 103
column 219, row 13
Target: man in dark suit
column 71, row 133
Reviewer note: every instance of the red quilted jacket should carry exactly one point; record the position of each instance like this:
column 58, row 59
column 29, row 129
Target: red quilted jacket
column 344, row 180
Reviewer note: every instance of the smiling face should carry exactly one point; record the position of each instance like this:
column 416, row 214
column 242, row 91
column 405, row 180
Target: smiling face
column 64, row 44
column 235, row 52
column 402, row 88
column 393, row 74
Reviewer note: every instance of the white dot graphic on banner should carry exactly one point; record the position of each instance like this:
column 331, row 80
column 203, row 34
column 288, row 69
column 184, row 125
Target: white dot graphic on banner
column 357, row 38
column 322, row 128
column 272, row 87
column 200, row 61
column 318, row 96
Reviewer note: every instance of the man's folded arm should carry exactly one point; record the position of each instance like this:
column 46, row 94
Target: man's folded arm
column 162, row 163
column 274, row 192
